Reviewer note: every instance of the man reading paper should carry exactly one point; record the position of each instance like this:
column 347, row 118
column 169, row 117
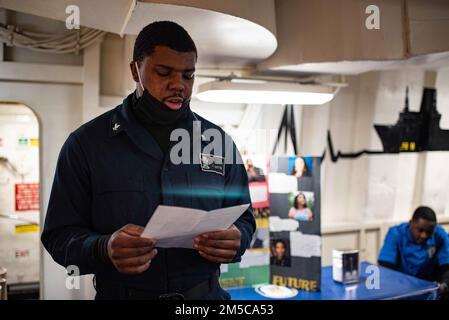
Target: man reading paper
column 115, row 170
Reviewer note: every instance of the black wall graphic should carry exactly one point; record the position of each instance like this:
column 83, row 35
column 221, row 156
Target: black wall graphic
column 416, row 131
column 413, row 132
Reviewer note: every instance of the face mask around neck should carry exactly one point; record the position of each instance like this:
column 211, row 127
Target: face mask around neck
column 154, row 112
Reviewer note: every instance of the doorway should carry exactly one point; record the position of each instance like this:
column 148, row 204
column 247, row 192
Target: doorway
column 19, row 200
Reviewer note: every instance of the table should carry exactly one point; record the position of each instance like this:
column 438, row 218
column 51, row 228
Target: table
column 392, row 285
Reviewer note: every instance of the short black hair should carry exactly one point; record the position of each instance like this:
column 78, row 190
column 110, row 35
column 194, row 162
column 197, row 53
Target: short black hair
column 162, row 33
column 295, row 201
column 425, row 213
column 275, row 242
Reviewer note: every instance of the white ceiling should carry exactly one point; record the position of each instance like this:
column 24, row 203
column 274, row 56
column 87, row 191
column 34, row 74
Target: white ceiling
column 92, row 13
column 222, row 39
column 432, row 61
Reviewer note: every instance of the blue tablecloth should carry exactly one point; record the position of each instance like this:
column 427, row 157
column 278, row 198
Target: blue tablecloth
column 393, row 285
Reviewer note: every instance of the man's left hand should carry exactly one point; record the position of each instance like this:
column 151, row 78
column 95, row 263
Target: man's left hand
column 219, row 246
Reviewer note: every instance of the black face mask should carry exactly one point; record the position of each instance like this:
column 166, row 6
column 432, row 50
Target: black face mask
column 151, row 111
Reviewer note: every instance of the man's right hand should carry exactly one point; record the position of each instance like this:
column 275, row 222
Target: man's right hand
column 130, row 253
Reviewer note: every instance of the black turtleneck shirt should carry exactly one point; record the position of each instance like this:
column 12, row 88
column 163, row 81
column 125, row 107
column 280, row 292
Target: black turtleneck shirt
column 160, row 132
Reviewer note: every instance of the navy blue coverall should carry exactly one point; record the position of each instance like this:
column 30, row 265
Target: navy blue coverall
column 111, row 172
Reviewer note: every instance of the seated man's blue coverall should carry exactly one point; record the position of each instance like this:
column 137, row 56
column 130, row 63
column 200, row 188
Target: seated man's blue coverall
column 402, row 253
column 111, row 172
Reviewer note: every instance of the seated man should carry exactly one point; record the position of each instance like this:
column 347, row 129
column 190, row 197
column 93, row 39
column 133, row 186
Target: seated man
column 419, row 248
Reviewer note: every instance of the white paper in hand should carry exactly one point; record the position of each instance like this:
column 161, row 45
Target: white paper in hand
column 175, row 227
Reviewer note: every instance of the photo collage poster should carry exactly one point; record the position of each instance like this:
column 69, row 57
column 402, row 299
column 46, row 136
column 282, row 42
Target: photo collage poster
column 295, row 236
column 254, row 268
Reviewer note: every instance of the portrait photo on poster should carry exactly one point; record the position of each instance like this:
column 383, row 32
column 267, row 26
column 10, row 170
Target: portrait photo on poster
column 300, row 166
column 255, row 166
column 301, row 205
column 292, row 173
column 280, row 252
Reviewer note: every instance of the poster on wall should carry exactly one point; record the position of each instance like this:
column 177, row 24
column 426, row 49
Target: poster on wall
column 27, row 196
column 295, row 239
column 254, row 268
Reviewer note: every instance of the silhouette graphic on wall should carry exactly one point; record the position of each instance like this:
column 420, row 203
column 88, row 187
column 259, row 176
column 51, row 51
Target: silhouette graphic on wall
column 413, row 132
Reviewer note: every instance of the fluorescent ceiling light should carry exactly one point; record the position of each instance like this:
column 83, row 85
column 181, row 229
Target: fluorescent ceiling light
column 264, row 93
column 247, row 81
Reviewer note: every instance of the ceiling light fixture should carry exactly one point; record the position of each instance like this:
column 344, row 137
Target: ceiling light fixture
column 226, row 91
